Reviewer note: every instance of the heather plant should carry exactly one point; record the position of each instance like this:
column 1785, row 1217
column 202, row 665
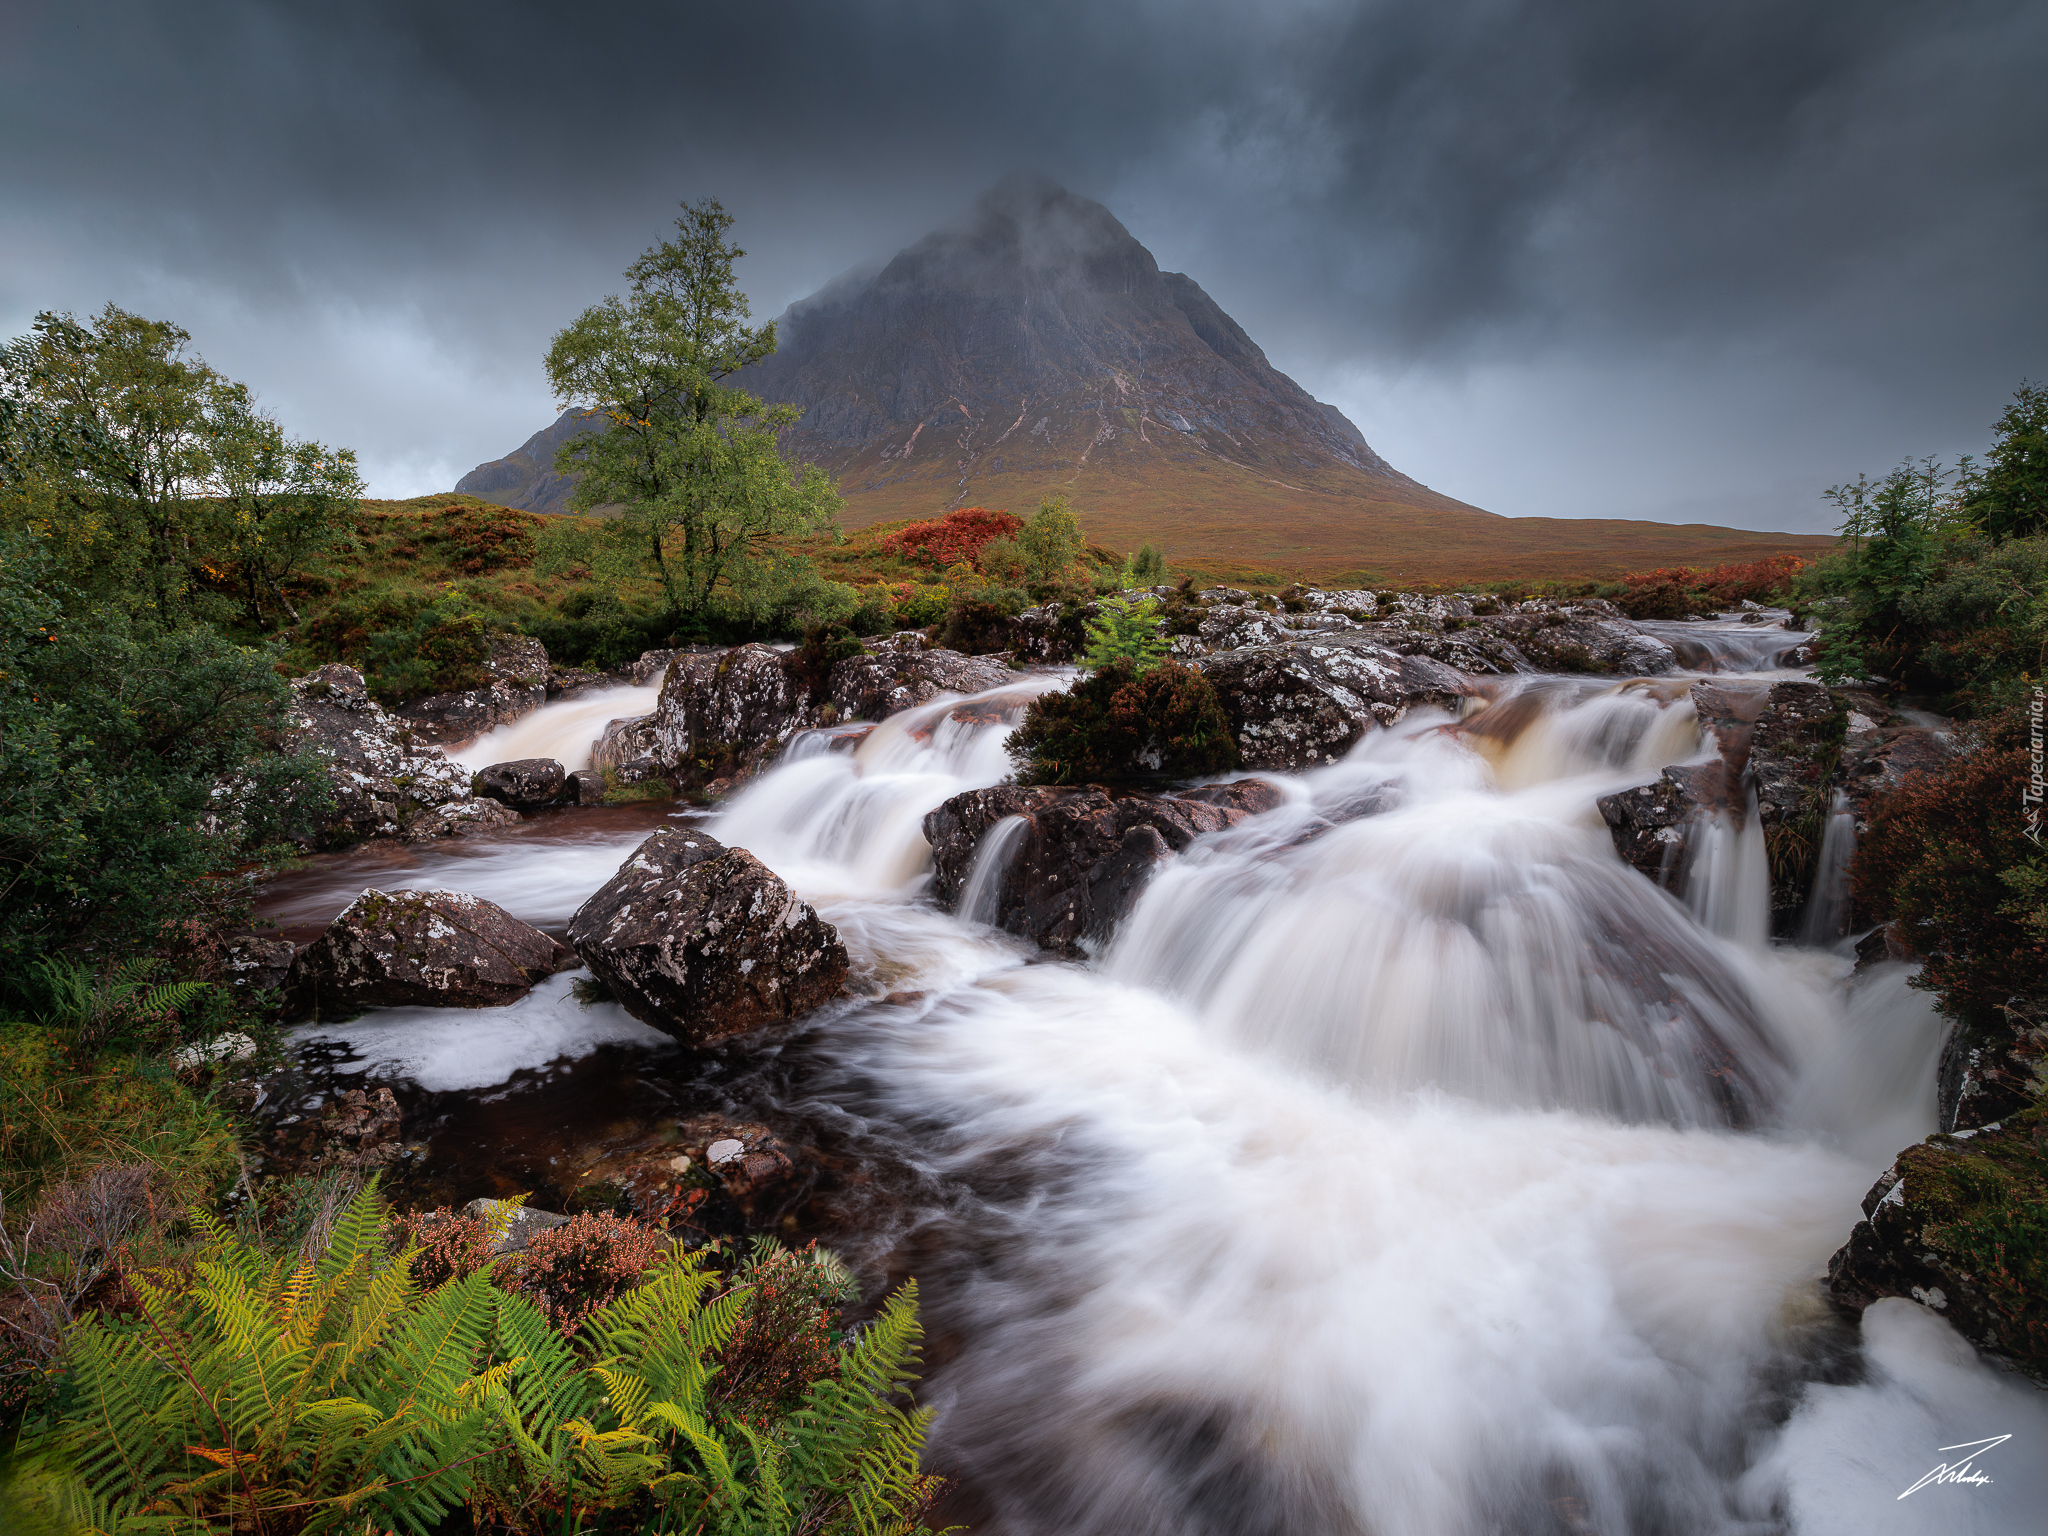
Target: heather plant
column 1119, row 723
column 958, row 536
column 447, row 1244
column 572, row 1270
column 784, row 1338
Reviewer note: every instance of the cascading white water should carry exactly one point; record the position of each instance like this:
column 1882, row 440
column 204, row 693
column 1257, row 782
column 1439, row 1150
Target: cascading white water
column 1827, row 907
column 853, row 823
column 1372, row 1180
column 1379, row 1177
column 565, row 731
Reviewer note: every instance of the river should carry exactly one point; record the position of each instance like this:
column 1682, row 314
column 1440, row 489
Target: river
column 1367, row 1181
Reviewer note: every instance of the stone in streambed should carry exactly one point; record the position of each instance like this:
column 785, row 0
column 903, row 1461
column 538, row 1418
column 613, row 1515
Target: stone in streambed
column 432, row 948
column 1083, row 854
column 525, row 784
column 705, row 942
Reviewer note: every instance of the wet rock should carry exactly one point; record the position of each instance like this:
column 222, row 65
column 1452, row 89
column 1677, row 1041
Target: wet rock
column 1304, row 703
column 650, row 666
column 1586, row 636
column 359, row 1130
column 1651, row 823
column 1050, row 634
column 525, row 784
column 1938, row 1228
column 1229, row 627
column 1881, row 945
column 903, row 672
column 517, row 668
column 1081, row 855
column 624, row 740
column 1995, row 1066
column 433, row 948
column 234, row 1046
column 522, row 1225
column 585, row 787
column 568, row 682
column 705, row 942
column 727, row 714
column 255, row 964
column 1882, row 748
column 385, row 780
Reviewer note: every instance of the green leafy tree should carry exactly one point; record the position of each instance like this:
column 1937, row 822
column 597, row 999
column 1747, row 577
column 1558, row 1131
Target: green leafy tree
column 1053, row 545
column 692, row 462
column 2008, row 497
column 1147, row 568
column 278, row 501
column 107, row 442
column 1891, row 532
column 1127, row 631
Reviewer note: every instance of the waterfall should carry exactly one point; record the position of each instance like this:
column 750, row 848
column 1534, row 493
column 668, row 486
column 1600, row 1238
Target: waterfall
column 981, row 895
column 1827, row 906
column 1406, row 1163
column 565, row 730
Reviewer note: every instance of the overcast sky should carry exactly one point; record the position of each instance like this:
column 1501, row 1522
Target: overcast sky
column 1584, row 257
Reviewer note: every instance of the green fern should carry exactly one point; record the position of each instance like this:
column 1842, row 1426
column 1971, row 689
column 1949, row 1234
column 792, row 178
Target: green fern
column 277, row 1395
column 328, row 1392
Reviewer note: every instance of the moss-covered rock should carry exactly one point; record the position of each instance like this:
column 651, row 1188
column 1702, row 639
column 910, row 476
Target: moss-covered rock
column 1960, row 1224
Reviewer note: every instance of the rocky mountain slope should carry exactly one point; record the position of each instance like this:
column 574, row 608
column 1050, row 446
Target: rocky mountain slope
column 1036, row 348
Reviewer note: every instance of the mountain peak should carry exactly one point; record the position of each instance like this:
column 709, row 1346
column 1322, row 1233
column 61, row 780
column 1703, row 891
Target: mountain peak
column 1032, row 348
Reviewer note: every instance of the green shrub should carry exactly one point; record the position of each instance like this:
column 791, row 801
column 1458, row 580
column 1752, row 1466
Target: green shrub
column 1126, row 631
column 978, row 619
column 113, row 741
column 1147, row 568
column 1118, row 723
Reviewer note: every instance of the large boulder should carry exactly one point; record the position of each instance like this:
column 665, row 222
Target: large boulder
column 1079, row 857
column 525, row 784
column 1942, row 1228
column 705, row 942
column 905, row 671
column 1304, row 703
column 1585, row 636
column 435, row 948
column 727, row 714
column 385, row 780
column 516, row 684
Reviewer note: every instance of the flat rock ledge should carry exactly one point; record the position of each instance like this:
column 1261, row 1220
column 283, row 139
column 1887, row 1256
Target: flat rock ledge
column 705, row 942
column 443, row 949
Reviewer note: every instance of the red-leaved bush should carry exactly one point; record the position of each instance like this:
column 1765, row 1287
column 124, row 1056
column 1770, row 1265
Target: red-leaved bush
column 1948, row 858
column 571, row 1270
column 953, row 538
column 1678, row 590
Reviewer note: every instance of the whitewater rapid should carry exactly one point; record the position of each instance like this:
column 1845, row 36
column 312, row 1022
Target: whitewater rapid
column 1405, row 1164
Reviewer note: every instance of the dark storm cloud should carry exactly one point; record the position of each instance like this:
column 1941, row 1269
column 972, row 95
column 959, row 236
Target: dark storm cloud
column 379, row 213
